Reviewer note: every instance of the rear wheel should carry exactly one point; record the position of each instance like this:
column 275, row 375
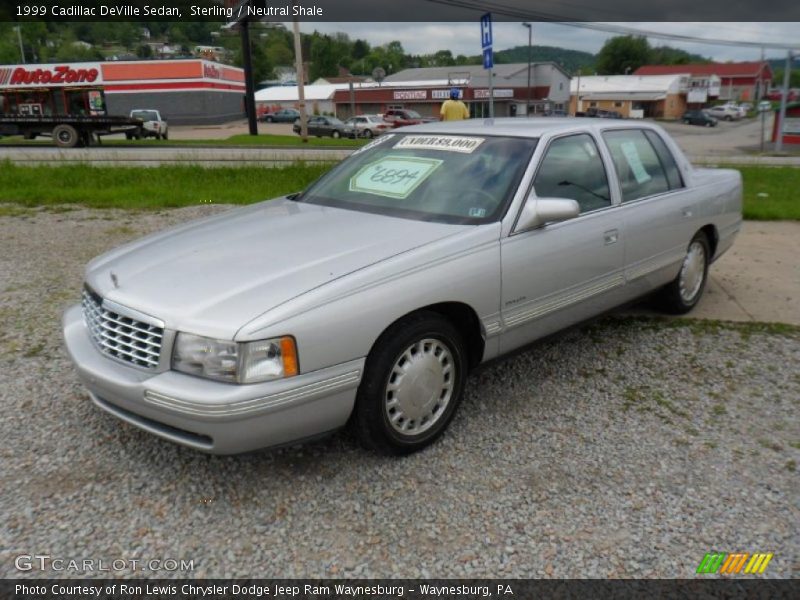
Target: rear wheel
column 685, row 291
column 368, row 133
column 412, row 385
column 65, row 136
column 165, row 135
column 335, row 134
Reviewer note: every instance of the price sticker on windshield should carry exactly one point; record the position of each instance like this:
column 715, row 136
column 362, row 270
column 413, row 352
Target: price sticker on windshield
column 393, row 177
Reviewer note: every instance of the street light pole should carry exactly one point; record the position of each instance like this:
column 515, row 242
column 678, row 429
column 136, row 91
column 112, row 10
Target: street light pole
column 530, row 40
column 784, row 99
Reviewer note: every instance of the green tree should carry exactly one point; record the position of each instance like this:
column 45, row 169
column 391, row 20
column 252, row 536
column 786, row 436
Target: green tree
column 794, row 78
column 623, row 53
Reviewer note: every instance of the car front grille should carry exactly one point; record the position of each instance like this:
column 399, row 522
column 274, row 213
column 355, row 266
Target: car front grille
column 120, row 336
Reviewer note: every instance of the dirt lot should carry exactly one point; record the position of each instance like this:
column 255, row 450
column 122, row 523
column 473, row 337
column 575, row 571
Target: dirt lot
column 627, row 448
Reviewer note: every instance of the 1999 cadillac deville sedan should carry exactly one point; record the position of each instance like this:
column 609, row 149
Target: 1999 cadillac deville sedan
column 367, row 298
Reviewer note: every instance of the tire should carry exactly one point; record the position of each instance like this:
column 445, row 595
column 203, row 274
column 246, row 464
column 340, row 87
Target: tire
column 728, row 118
column 269, row 119
column 66, row 136
column 391, row 417
column 675, row 298
column 29, row 135
column 709, row 124
column 368, row 133
column 335, row 134
column 165, row 135
column 128, row 136
column 687, row 122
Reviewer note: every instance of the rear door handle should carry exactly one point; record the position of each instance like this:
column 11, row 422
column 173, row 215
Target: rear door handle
column 611, row 237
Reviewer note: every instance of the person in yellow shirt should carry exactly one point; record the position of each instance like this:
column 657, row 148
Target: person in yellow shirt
column 453, row 109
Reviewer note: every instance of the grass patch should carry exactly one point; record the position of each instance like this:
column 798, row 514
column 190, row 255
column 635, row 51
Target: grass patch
column 266, row 140
column 780, row 184
column 166, row 186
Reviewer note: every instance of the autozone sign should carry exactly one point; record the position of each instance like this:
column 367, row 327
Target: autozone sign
column 50, row 75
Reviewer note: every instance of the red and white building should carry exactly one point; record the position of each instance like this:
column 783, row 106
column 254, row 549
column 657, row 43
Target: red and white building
column 192, row 91
column 742, row 81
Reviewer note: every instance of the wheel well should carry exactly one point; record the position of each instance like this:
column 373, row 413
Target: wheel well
column 713, row 238
column 464, row 318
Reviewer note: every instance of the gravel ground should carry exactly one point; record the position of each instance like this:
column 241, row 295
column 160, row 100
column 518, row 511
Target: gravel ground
column 626, row 448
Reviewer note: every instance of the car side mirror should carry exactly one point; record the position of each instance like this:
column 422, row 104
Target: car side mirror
column 539, row 211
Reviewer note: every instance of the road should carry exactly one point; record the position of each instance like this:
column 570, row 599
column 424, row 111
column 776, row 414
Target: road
column 728, row 143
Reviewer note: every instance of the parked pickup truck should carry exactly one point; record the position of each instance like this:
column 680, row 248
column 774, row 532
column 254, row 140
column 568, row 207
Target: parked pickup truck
column 153, row 124
column 367, row 298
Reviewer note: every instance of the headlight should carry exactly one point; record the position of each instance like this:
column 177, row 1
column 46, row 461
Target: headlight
column 247, row 362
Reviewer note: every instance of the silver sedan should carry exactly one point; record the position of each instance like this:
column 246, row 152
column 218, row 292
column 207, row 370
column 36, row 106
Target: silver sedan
column 367, row 298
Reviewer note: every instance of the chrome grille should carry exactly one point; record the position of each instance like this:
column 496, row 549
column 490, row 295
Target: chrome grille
column 120, row 336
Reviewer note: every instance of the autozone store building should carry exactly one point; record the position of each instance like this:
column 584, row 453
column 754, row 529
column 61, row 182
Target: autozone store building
column 186, row 92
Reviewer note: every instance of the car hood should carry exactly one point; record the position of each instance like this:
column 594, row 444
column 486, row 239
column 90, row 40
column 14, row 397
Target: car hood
column 214, row 275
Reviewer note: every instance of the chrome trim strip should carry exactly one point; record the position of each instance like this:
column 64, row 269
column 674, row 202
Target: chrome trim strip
column 492, row 328
column 253, row 405
column 552, row 304
column 652, row 265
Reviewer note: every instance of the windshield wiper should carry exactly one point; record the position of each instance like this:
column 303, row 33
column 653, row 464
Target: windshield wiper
column 585, row 189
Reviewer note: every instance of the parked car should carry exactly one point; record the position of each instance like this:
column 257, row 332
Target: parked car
column 554, row 113
column 369, row 297
column 746, row 107
column 404, row 118
column 698, row 117
column 764, row 106
column 285, row 115
column 725, row 113
column 603, row 114
column 152, row 124
column 368, row 126
column 326, row 126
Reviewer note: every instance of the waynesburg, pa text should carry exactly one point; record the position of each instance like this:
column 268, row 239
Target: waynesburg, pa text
column 260, row 591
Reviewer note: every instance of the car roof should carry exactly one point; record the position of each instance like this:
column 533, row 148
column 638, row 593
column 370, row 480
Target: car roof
column 533, row 127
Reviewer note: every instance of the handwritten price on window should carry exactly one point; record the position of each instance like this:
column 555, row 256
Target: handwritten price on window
column 393, row 177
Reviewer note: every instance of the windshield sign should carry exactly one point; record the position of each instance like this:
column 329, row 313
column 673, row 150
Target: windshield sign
column 428, row 177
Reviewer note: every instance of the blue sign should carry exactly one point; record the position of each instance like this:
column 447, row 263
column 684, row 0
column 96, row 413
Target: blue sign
column 488, row 58
column 486, row 31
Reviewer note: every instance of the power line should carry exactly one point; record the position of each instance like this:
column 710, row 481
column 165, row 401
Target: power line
column 524, row 14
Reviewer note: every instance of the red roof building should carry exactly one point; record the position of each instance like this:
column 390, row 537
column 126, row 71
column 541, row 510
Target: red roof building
column 737, row 81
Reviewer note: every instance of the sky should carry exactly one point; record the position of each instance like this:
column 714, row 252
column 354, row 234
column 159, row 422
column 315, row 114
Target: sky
column 464, row 38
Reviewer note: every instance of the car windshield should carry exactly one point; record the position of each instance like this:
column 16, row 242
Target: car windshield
column 145, row 115
column 334, row 121
column 412, row 114
column 428, row 177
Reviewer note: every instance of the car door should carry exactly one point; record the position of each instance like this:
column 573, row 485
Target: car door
column 315, row 126
column 560, row 273
column 657, row 211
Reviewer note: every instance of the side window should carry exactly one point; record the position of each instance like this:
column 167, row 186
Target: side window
column 572, row 168
column 667, row 160
column 638, row 167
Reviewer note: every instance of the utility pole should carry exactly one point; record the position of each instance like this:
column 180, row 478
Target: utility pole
column 301, row 93
column 21, row 47
column 784, row 98
column 249, row 86
column 530, row 41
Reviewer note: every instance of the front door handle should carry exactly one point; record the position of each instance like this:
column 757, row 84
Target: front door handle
column 611, row 237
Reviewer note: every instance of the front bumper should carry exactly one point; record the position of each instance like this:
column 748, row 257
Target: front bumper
column 214, row 417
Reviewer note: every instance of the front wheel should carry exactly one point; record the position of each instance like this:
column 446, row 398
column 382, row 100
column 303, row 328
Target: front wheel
column 368, row 133
column 335, row 134
column 685, row 291
column 412, row 385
